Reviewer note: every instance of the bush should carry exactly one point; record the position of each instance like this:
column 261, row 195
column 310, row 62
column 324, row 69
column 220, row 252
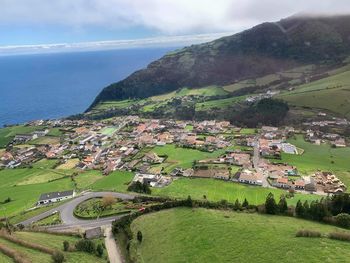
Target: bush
column 342, row 236
column 99, row 250
column 139, row 236
column 85, row 246
column 65, row 245
column 307, row 233
column 343, row 220
column 57, row 257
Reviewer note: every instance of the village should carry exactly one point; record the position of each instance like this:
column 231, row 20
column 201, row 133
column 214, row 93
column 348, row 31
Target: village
column 246, row 156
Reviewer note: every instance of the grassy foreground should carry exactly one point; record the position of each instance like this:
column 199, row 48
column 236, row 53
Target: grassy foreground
column 201, row 235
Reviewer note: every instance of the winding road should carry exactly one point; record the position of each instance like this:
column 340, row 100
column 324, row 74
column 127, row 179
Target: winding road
column 70, row 222
column 66, row 212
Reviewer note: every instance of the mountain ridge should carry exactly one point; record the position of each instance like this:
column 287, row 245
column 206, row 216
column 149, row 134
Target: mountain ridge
column 261, row 50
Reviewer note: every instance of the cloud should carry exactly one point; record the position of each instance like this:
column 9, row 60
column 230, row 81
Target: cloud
column 166, row 16
column 166, row 41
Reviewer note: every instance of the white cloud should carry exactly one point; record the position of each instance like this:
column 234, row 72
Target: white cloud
column 167, row 16
column 168, row 41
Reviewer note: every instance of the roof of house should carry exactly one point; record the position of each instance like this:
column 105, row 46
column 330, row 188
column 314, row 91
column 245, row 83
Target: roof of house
column 48, row 196
column 93, row 233
column 282, row 180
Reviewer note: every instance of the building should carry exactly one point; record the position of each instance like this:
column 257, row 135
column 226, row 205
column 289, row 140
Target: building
column 310, row 184
column 249, row 177
column 53, row 197
column 93, row 233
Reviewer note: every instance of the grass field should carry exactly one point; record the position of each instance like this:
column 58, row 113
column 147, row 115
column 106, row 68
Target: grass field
column 117, row 181
column 51, row 241
column 222, row 103
column 8, row 133
column 216, row 190
column 181, row 157
column 52, row 140
column 114, row 104
column 108, row 131
column 69, row 164
column 316, row 94
column 55, row 132
column 25, row 196
column 200, row 235
column 5, row 259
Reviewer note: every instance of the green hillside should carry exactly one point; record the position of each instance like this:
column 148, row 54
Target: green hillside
column 200, row 235
column 330, row 93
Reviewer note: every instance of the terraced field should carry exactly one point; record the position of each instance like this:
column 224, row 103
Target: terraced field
column 49, row 241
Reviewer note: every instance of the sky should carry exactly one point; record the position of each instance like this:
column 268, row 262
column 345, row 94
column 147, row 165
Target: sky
column 43, row 23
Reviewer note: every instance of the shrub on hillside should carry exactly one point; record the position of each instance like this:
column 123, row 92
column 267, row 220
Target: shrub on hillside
column 343, row 220
column 57, row 257
column 307, row 233
column 342, row 236
column 65, row 245
column 85, row 245
column 99, row 250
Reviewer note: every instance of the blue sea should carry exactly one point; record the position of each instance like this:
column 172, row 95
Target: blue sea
column 45, row 86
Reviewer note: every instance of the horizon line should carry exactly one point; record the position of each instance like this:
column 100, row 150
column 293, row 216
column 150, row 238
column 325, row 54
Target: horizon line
column 161, row 41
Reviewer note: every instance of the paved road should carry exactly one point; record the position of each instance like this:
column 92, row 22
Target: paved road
column 111, row 247
column 256, row 159
column 66, row 212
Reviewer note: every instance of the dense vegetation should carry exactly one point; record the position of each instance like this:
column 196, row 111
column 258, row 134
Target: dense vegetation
column 265, row 112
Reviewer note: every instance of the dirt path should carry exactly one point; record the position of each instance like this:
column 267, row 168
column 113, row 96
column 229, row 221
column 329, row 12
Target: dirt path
column 111, row 246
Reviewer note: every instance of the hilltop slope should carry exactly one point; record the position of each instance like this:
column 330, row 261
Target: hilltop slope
column 262, row 50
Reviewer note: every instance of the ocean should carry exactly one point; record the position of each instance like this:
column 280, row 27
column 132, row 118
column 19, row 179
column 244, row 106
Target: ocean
column 47, row 86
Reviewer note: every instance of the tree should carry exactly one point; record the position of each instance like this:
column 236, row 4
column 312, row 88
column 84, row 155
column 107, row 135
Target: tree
column 282, row 205
column 299, row 209
column 108, row 201
column 99, row 250
column 139, row 236
column 65, row 245
column 189, row 201
column 57, row 257
column 270, row 204
column 139, row 188
column 237, row 205
column 245, row 203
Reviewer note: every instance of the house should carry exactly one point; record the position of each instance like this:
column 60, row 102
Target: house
column 339, row 142
column 153, row 180
column 40, row 133
column 24, row 137
column 153, row 158
column 53, row 197
column 93, row 233
column 250, row 177
column 299, row 185
column 282, row 182
column 289, row 148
